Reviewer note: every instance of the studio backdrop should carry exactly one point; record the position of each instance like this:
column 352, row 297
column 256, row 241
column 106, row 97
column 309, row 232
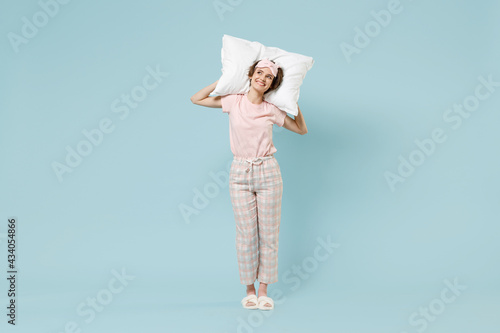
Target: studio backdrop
column 114, row 199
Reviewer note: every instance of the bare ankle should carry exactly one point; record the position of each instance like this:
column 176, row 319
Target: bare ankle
column 263, row 289
column 250, row 289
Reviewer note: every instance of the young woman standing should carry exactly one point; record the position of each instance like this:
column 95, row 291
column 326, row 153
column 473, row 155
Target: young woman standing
column 255, row 181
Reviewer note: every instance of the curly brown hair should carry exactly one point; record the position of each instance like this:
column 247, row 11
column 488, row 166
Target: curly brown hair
column 276, row 81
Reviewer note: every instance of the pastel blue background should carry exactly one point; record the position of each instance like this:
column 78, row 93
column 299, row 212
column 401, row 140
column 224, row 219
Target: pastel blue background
column 121, row 207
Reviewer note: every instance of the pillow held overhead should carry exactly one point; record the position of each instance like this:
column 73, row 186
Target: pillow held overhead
column 239, row 54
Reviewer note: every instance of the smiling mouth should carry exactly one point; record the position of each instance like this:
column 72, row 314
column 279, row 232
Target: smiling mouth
column 260, row 83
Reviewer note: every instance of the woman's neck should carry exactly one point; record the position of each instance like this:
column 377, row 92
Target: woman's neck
column 255, row 97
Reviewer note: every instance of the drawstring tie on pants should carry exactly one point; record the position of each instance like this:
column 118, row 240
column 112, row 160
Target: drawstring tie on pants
column 256, row 161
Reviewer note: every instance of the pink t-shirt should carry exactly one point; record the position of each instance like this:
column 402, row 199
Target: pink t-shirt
column 251, row 125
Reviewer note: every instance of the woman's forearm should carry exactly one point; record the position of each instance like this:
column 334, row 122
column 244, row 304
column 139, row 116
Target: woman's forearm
column 203, row 93
column 299, row 120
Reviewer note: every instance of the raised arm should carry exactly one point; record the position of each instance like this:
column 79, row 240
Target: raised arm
column 297, row 125
column 202, row 98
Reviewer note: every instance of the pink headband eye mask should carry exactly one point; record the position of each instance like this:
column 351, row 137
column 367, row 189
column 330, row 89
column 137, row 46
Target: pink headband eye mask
column 267, row 63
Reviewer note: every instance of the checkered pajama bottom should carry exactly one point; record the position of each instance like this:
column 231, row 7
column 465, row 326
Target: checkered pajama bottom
column 256, row 190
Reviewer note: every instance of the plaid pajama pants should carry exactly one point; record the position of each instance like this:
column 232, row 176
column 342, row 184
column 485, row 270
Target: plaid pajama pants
column 256, row 190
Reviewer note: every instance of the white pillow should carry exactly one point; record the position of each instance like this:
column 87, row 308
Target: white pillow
column 239, row 54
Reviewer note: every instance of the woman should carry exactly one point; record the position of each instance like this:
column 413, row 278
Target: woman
column 255, row 182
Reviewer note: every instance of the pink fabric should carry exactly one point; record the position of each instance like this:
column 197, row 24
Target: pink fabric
column 251, row 125
column 267, row 63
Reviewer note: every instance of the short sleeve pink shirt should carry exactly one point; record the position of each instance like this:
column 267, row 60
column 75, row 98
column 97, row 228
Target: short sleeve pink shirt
column 251, row 125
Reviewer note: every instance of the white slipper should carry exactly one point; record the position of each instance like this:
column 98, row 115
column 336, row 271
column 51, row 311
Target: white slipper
column 249, row 298
column 263, row 300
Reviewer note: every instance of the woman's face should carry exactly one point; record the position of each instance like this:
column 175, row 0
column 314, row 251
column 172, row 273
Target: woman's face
column 262, row 79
